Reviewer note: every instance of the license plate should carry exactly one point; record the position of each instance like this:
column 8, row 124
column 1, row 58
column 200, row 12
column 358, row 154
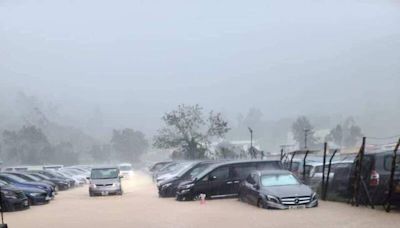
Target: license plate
column 104, row 193
column 26, row 203
column 297, row 207
column 48, row 198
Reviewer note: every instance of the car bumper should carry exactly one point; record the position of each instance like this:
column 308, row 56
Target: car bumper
column 39, row 199
column 16, row 204
column 105, row 190
column 274, row 205
column 184, row 194
column 166, row 191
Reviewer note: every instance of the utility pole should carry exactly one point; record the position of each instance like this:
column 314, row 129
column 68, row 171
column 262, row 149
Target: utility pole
column 251, row 143
column 305, row 137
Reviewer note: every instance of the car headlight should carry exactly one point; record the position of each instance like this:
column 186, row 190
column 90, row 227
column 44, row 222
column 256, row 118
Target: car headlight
column 93, row 186
column 34, row 194
column 186, row 186
column 9, row 194
column 166, row 185
column 272, row 198
column 115, row 184
column 314, row 196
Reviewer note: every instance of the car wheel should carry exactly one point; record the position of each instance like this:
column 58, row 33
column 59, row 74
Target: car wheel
column 261, row 204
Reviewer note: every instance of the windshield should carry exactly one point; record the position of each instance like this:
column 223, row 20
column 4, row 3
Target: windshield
column 110, row 173
column 125, row 168
column 278, row 180
column 15, row 178
column 32, row 177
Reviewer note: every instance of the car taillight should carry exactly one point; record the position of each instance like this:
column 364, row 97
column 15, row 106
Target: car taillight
column 374, row 180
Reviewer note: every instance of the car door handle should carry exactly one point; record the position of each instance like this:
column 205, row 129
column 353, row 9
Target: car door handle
column 236, row 182
column 229, row 182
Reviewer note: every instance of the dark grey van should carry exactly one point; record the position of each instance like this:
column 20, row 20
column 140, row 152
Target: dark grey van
column 222, row 179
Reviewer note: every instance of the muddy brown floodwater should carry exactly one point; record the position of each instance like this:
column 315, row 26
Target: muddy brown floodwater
column 140, row 206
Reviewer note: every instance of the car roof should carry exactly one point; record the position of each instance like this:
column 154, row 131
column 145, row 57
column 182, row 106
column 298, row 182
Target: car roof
column 105, row 167
column 269, row 172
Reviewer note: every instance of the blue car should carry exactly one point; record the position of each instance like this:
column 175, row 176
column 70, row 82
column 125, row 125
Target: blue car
column 36, row 192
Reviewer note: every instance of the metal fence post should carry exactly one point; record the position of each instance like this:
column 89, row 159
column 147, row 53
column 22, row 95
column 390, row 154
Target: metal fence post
column 392, row 171
column 323, row 170
column 304, row 165
column 329, row 172
column 358, row 170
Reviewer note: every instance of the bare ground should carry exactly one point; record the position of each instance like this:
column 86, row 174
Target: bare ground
column 140, row 206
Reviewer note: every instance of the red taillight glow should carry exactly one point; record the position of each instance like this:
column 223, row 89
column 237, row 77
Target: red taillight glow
column 374, row 180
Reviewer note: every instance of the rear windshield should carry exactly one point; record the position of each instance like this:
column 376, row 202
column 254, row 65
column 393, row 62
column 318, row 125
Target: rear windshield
column 110, row 173
column 278, row 180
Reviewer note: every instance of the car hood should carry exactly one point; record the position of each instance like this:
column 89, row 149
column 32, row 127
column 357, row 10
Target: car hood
column 287, row 190
column 167, row 181
column 104, row 181
column 38, row 184
column 30, row 190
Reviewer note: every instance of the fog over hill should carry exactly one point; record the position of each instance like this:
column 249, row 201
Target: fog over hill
column 93, row 66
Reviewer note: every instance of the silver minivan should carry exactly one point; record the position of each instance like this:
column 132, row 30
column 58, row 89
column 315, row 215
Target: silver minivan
column 105, row 181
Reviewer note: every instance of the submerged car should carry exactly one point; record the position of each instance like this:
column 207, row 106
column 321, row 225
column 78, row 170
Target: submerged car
column 12, row 198
column 168, row 187
column 276, row 189
column 21, row 183
column 105, row 181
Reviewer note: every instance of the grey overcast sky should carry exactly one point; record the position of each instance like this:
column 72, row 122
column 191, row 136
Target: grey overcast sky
column 137, row 59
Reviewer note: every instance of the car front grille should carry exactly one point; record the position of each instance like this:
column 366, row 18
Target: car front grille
column 297, row 200
column 103, row 185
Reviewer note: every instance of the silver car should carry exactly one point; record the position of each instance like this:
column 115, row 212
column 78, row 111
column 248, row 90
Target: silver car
column 105, row 181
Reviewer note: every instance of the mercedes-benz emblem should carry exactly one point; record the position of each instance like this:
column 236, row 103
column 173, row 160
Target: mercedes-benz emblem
column 296, row 201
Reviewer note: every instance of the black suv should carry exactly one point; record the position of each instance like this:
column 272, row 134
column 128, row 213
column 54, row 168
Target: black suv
column 375, row 173
column 222, row 179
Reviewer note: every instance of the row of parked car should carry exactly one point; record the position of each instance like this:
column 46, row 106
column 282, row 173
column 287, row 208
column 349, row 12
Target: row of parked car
column 264, row 183
column 22, row 188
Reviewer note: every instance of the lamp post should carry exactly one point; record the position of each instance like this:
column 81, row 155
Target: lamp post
column 251, row 143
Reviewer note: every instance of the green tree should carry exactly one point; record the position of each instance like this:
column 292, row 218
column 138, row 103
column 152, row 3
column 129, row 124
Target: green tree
column 29, row 145
column 188, row 131
column 128, row 144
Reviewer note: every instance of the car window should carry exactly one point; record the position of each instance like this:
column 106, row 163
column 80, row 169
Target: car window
column 242, row 171
column 104, row 173
column 221, row 173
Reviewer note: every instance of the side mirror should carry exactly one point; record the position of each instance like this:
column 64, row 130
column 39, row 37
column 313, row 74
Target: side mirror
column 120, row 176
column 212, row 178
column 88, row 178
column 256, row 186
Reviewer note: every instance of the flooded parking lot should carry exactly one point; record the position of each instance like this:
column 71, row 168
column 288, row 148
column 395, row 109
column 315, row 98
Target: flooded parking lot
column 140, row 206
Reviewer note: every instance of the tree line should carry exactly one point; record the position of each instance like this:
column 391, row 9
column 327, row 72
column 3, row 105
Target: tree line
column 30, row 145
